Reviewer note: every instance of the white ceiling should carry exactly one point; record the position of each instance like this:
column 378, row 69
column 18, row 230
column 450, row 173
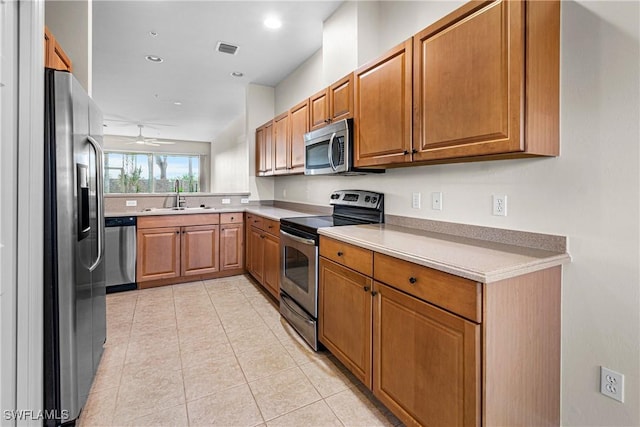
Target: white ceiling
column 132, row 90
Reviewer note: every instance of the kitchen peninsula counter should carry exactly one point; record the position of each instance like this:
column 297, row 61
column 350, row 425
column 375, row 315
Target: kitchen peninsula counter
column 475, row 259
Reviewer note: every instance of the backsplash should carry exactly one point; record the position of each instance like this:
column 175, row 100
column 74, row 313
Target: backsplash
column 118, row 203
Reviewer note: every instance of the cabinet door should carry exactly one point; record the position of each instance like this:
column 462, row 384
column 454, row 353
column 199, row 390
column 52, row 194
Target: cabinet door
column 231, row 246
column 345, row 317
column 257, row 254
column 468, row 83
column 260, row 151
column 281, row 141
column 54, row 56
column 341, row 99
column 271, row 278
column 200, row 249
column 264, row 150
column 299, row 116
column 383, row 104
column 319, row 109
column 158, row 253
column 426, row 361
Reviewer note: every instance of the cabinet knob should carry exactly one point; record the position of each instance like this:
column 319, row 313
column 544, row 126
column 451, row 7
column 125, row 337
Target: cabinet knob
column 374, row 293
column 271, row 226
column 231, row 218
column 414, row 151
column 340, row 253
column 177, row 232
column 255, row 220
column 262, row 236
column 405, row 152
column 367, row 288
column 412, row 280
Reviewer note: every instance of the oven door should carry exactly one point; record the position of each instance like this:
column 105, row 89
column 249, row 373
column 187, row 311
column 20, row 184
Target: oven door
column 299, row 272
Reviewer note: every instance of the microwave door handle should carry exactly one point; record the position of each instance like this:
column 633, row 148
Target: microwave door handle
column 331, row 151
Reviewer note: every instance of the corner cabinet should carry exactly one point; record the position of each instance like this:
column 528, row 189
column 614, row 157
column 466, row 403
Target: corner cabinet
column 264, row 149
column 181, row 248
column 263, row 252
column 438, row 349
column 507, row 103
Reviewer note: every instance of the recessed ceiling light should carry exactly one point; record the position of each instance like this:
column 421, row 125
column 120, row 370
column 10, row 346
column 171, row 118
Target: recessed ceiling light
column 153, row 33
column 272, row 22
column 153, row 58
column 177, row 103
column 237, row 74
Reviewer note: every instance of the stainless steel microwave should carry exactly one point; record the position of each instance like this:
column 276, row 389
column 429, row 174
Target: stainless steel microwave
column 329, row 150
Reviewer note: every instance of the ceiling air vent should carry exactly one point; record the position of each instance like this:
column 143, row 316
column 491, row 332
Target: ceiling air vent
column 226, row 48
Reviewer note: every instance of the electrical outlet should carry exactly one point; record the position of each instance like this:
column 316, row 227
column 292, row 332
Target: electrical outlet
column 131, row 203
column 415, row 200
column 436, row 201
column 244, row 200
column 226, row 201
column 500, row 204
column 612, row 384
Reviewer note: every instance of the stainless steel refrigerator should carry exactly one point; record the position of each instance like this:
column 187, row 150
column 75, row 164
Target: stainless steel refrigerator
column 74, row 311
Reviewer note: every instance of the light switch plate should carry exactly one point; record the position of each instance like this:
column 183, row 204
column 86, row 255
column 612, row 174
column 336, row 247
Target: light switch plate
column 436, row 201
column 244, row 200
column 226, row 201
column 131, row 203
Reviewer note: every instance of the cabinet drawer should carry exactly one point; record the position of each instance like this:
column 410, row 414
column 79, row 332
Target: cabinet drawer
column 348, row 255
column 178, row 220
column 231, row 218
column 453, row 293
column 255, row 221
column 271, row 226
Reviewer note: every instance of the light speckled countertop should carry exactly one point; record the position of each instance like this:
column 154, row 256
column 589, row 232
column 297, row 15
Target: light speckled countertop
column 267, row 211
column 474, row 259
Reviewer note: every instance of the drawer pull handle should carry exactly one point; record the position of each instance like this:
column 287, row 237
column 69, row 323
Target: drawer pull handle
column 374, row 293
column 271, row 226
column 340, row 253
column 412, row 280
column 367, row 288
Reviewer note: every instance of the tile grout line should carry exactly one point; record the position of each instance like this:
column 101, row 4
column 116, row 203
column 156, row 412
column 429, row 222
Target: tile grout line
column 184, row 389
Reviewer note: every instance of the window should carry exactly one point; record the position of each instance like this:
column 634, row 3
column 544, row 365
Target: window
column 151, row 172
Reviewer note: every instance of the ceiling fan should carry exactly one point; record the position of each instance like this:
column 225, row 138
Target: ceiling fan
column 148, row 141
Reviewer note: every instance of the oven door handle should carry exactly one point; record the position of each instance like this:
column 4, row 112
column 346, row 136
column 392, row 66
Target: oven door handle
column 302, row 240
column 284, row 299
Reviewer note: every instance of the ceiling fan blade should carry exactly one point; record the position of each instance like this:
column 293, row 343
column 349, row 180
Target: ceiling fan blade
column 164, row 142
column 152, row 144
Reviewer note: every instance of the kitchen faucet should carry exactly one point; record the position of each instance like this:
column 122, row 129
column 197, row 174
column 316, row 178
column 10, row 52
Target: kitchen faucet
column 179, row 201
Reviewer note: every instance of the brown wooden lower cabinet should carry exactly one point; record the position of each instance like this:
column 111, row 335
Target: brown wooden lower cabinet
column 263, row 252
column 180, row 248
column 426, row 361
column 158, row 253
column 441, row 350
column 345, row 317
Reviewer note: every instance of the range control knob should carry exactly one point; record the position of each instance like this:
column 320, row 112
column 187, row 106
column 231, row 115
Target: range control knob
column 367, row 198
column 335, row 196
column 374, row 200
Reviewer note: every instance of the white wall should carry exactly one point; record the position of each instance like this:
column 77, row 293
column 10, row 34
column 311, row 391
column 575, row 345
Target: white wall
column 591, row 193
column 229, row 162
column 70, row 23
column 304, row 81
column 260, row 101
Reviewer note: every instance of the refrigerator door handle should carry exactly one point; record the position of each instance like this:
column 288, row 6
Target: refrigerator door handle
column 99, row 190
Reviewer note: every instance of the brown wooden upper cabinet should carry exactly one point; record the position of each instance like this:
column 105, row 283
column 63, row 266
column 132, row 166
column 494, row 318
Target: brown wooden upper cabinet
column 332, row 103
column 281, row 143
column 486, row 82
column 54, row 56
column 382, row 120
column 264, row 149
column 299, row 122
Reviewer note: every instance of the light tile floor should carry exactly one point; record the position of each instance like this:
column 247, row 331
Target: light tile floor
column 216, row 352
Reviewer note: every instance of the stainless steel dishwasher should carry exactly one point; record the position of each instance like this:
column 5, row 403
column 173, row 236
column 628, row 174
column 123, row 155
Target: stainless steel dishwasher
column 120, row 253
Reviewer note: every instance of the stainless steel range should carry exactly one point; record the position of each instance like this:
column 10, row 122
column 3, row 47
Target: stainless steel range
column 299, row 254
